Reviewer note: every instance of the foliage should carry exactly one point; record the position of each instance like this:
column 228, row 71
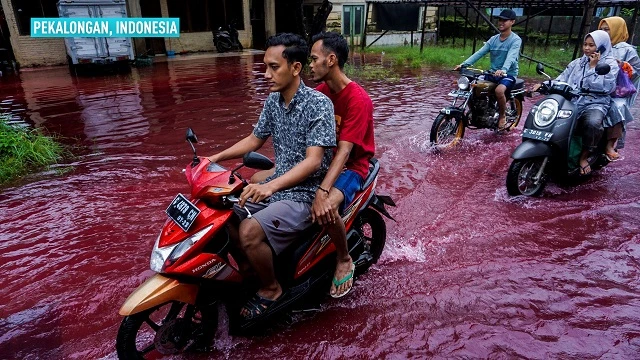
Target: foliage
column 24, row 149
column 627, row 12
column 448, row 56
column 370, row 72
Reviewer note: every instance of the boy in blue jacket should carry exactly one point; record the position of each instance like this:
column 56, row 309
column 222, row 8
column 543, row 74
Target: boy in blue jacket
column 504, row 50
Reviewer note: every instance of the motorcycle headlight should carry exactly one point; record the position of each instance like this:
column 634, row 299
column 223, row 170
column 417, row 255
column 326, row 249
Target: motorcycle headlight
column 546, row 113
column 463, row 83
column 165, row 256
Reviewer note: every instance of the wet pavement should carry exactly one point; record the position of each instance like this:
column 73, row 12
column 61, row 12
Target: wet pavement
column 468, row 272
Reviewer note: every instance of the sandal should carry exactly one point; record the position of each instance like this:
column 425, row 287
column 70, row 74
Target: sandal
column 505, row 127
column 337, row 282
column 585, row 170
column 612, row 156
column 257, row 306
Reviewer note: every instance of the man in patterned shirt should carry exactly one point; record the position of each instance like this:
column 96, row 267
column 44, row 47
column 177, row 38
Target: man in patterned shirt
column 301, row 122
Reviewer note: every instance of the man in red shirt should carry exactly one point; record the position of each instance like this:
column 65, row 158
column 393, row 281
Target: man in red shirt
column 350, row 165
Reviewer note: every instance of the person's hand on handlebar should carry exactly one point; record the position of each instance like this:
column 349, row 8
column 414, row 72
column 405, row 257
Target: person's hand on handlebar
column 500, row 73
column 457, row 67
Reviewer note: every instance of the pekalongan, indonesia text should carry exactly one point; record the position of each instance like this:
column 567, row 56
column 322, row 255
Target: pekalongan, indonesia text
column 104, row 28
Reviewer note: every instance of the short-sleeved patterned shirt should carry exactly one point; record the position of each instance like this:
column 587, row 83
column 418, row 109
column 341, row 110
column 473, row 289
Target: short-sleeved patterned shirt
column 307, row 121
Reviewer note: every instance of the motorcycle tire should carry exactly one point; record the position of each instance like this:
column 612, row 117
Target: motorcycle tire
column 446, row 131
column 520, row 177
column 223, row 46
column 514, row 113
column 373, row 230
column 162, row 330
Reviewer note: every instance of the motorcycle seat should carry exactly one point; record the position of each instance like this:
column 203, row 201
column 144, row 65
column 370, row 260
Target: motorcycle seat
column 374, row 168
column 519, row 84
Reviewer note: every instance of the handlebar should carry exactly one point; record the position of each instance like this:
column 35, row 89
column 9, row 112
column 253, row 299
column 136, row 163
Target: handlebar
column 546, row 87
column 588, row 91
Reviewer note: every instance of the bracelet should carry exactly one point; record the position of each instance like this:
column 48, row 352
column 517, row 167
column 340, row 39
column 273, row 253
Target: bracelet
column 320, row 188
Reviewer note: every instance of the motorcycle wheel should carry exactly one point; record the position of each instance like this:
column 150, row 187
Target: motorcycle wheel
column 514, row 113
column 223, row 46
column 446, row 131
column 163, row 330
column 374, row 233
column 520, row 177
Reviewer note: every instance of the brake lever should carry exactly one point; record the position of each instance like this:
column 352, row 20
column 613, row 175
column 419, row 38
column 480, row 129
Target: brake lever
column 235, row 200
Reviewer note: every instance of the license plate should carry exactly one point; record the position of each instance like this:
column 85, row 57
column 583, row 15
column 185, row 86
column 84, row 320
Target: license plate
column 459, row 93
column 537, row 134
column 182, row 212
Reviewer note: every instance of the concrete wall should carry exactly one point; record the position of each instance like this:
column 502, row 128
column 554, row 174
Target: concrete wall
column 33, row 51
column 334, row 23
column 203, row 41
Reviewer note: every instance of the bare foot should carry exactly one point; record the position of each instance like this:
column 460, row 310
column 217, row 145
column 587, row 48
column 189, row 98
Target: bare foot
column 502, row 123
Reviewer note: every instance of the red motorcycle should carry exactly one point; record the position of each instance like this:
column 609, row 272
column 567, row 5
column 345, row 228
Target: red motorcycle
column 176, row 310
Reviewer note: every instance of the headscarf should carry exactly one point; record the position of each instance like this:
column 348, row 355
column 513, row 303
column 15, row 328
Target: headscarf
column 601, row 38
column 617, row 29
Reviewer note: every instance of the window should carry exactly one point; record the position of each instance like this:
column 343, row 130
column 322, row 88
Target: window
column 25, row 10
column 206, row 15
column 352, row 19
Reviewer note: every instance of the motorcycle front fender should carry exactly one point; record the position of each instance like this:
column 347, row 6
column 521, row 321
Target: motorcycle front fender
column 530, row 149
column 158, row 290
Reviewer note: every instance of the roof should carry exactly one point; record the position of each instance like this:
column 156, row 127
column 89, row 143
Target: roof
column 513, row 3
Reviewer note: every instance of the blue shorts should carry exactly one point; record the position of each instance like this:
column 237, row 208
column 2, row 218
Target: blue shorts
column 349, row 183
column 508, row 81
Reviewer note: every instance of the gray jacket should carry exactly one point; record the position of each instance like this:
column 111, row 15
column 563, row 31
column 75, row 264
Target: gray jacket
column 578, row 74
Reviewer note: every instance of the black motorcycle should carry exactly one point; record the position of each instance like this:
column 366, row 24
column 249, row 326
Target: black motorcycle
column 551, row 145
column 478, row 108
column 227, row 39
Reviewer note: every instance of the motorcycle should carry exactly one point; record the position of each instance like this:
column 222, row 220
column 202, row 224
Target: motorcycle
column 176, row 309
column 478, row 108
column 227, row 40
column 550, row 144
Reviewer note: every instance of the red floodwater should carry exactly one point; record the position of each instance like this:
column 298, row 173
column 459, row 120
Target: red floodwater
column 468, row 272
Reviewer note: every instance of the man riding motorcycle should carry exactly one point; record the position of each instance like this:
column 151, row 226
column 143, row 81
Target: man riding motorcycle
column 302, row 125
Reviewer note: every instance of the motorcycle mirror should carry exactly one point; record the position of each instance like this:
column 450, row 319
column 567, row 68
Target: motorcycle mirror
column 191, row 136
column 192, row 139
column 258, row 161
column 539, row 69
column 603, row 69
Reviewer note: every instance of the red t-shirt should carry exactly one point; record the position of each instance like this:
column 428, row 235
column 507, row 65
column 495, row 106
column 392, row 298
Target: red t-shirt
column 354, row 123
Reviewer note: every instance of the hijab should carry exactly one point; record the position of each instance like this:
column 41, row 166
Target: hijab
column 601, row 38
column 617, row 29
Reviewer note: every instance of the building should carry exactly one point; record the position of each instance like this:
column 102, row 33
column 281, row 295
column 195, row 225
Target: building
column 255, row 20
column 198, row 18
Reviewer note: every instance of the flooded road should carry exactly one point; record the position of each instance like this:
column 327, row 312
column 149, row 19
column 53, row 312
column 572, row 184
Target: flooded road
column 468, row 272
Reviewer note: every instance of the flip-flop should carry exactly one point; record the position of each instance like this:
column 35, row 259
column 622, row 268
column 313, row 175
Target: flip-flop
column 583, row 170
column 337, row 282
column 612, row 156
column 257, row 306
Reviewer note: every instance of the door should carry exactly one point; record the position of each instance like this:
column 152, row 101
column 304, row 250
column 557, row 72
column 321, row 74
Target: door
column 258, row 31
column 151, row 8
column 353, row 22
